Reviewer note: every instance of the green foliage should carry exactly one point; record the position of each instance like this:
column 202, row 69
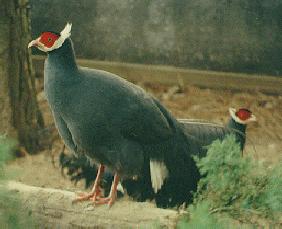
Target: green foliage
column 236, row 185
column 200, row 218
column 5, row 155
column 272, row 193
column 239, row 184
column 12, row 214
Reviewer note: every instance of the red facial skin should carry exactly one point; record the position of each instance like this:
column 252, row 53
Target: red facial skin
column 243, row 114
column 48, row 39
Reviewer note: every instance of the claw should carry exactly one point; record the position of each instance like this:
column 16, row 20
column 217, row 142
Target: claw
column 96, row 194
column 88, row 196
column 112, row 196
column 96, row 190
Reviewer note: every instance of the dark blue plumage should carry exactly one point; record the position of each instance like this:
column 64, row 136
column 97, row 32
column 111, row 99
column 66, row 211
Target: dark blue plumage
column 205, row 133
column 115, row 123
column 104, row 116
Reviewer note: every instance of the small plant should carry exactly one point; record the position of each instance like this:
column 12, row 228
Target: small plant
column 271, row 198
column 229, row 179
column 199, row 217
column 12, row 214
column 239, row 186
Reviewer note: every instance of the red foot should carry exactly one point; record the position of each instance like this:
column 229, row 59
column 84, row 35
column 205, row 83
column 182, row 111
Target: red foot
column 93, row 195
column 96, row 190
column 107, row 200
column 96, row 196
column 112, row 196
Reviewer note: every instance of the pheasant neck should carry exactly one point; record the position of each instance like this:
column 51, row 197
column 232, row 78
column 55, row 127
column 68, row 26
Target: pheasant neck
column 63, row 57
column 237, row 126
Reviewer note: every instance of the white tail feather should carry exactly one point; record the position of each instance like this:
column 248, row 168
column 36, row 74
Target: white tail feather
column 158, row 173
column 120, row 188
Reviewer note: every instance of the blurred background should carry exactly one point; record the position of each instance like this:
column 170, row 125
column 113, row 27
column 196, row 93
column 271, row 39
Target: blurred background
column 225, row 35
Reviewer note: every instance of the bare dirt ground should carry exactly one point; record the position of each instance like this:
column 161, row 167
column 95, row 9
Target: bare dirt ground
column 264, row 138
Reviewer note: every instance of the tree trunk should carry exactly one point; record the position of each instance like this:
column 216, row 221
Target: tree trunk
column 20, row 117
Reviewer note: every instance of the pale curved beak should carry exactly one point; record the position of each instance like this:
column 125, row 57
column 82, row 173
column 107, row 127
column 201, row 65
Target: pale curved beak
column 34, row 43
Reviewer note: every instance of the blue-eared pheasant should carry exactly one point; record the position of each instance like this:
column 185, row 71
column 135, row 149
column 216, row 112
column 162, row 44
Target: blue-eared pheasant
column 206, row 132
column 114, row 123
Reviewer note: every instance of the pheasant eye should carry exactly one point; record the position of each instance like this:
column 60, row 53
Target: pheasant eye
column 49, row 39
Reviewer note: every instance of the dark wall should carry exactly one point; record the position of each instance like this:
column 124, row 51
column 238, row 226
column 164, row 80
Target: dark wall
column 229, row 35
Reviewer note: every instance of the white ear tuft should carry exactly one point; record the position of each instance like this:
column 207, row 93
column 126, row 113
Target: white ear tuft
column 232, row 111
column 66, row 32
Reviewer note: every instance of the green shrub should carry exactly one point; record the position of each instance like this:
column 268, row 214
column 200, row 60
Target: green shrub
column 239, row 185
column 12, row 214
column 271, row 198
column 199, row 217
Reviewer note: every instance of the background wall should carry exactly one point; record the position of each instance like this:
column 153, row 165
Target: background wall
column 227, row 35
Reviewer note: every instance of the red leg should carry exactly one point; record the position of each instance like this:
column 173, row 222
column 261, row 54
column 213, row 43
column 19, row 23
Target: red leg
column 96, row 190
column 113, row 193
